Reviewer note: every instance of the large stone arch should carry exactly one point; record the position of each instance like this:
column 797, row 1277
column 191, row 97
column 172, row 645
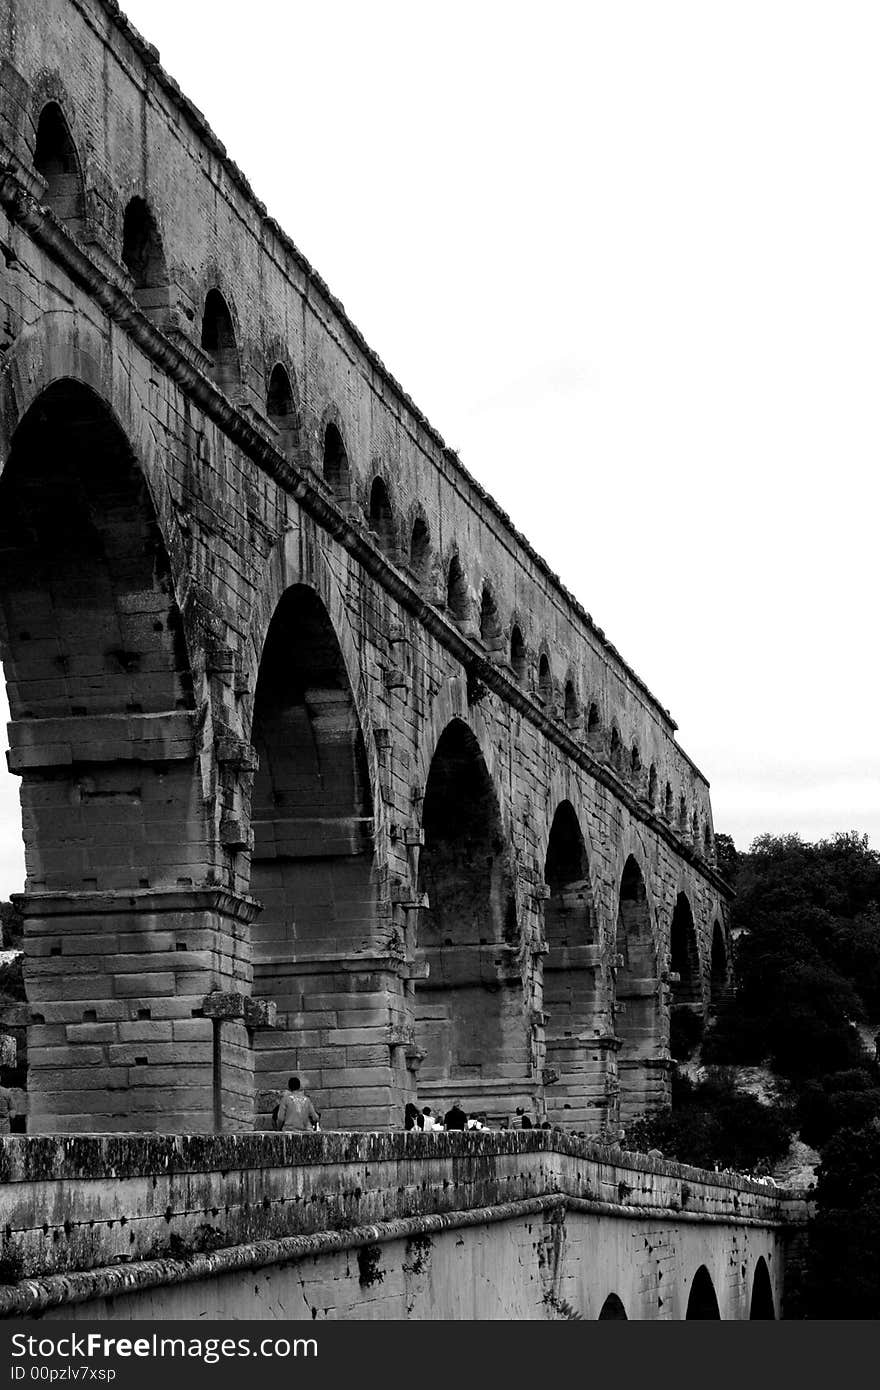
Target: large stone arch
column 639, row 1015
column 121, row 845
column 761, row 1303
column 312, row 864
column 574, row 1075
column 687, row 1009
column 469, row 1007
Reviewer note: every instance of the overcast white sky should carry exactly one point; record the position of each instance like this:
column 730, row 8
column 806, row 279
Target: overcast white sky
column 626, row 256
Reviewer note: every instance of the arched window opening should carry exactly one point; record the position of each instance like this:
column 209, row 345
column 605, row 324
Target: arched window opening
column 469, row 1016
column 382, row 518
column 56, row 160
column 594, row 723
column 616, row 750
column 687, row 1019
column 420, row 551
column 312, row 862
column 143, row 257
column 762, row 1305
column 281, row 409
column 667, row 802
column 682, row 815
column 708, row 846
column 643, row 1084
column 702, row 1302
column 457, row 592
column 572, row 708
column 719, row 986
column 545, row 681
column 517, row 654
column 635, row 763
column 490, row 623
column 337, row 474
column 218, row 341
column 695, row 828
column 612, row 1310
column 652, row 785
column 573, row 1088
column 92, row 639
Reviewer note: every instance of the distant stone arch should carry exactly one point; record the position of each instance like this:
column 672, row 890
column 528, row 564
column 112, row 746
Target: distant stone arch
column 612, row 1310
column 762, row 1305
column 702, row 1299
column 420, row 550
column 457, row 597
column 517, row 653
column 381, row 517
column 56, row 160
column 642, row 1071
column 144, row 257
column 312, row 863
column 687, row 1018
column 573, row 1076
column 218, row 341
column 469, row 1017
column 719, row 978
column 335, row 465
column 281, row 409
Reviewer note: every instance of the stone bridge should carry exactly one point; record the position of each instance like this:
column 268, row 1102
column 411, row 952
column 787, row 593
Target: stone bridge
column 317, row 1226
column 322, row 769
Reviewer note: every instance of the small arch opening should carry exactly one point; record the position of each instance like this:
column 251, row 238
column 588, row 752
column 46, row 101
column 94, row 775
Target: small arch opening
column 517, row 653
column 635, row 763
column 572, row 708
column 762, row 1305
column 667, row 802
column 143, row 256
column 456, row 591
column 702, row 1301
column 56, row 160
column 616, row 749
column 708, row 845
column 281, row 409
column 652, row 785
column 545, row 680
column 420, row 550
column 682, row 814
column 218, row 341
column 336, row 471
column 613, row 1310
column 490, row 623
column 594, row 723
column 381, row 519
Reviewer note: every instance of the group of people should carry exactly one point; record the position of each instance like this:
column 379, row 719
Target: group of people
column 456, row 1118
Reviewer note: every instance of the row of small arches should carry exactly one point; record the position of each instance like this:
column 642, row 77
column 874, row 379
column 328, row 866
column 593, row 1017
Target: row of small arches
column 702, row 1301
column 142, row 254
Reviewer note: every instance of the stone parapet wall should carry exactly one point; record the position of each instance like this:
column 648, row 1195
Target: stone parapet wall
column 76, row 1203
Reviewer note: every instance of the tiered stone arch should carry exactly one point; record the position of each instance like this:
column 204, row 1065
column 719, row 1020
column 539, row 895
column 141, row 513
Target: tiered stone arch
column 640, row 1021
column 574, row 1019
column 106, row 729
column 318, row 819
column 471, row 1024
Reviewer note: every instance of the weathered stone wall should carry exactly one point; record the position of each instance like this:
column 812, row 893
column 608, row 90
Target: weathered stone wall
column 491, row 1225
column 140, row 678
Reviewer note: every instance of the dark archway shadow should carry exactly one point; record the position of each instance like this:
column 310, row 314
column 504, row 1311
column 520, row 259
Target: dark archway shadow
column 702, row 1301
column 762, row 1305
column 612, row 1310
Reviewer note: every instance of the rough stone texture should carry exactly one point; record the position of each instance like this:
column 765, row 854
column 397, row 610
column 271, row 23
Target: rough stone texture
column 482, row 1225
column 294, row 707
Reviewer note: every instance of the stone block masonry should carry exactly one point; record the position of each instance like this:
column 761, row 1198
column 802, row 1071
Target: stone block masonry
column 322, row 770
column 379, row 1226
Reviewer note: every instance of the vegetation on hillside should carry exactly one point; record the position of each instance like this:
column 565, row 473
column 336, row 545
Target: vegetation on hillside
column 806, row 921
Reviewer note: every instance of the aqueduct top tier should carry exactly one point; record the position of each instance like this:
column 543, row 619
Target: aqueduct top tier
column 322, row 768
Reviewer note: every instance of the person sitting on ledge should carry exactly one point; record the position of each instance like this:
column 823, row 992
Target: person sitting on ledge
column 411, row 1117
column 429, row 1124
column 455, row 1118
column 523, row 1120
column 295, row 1111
